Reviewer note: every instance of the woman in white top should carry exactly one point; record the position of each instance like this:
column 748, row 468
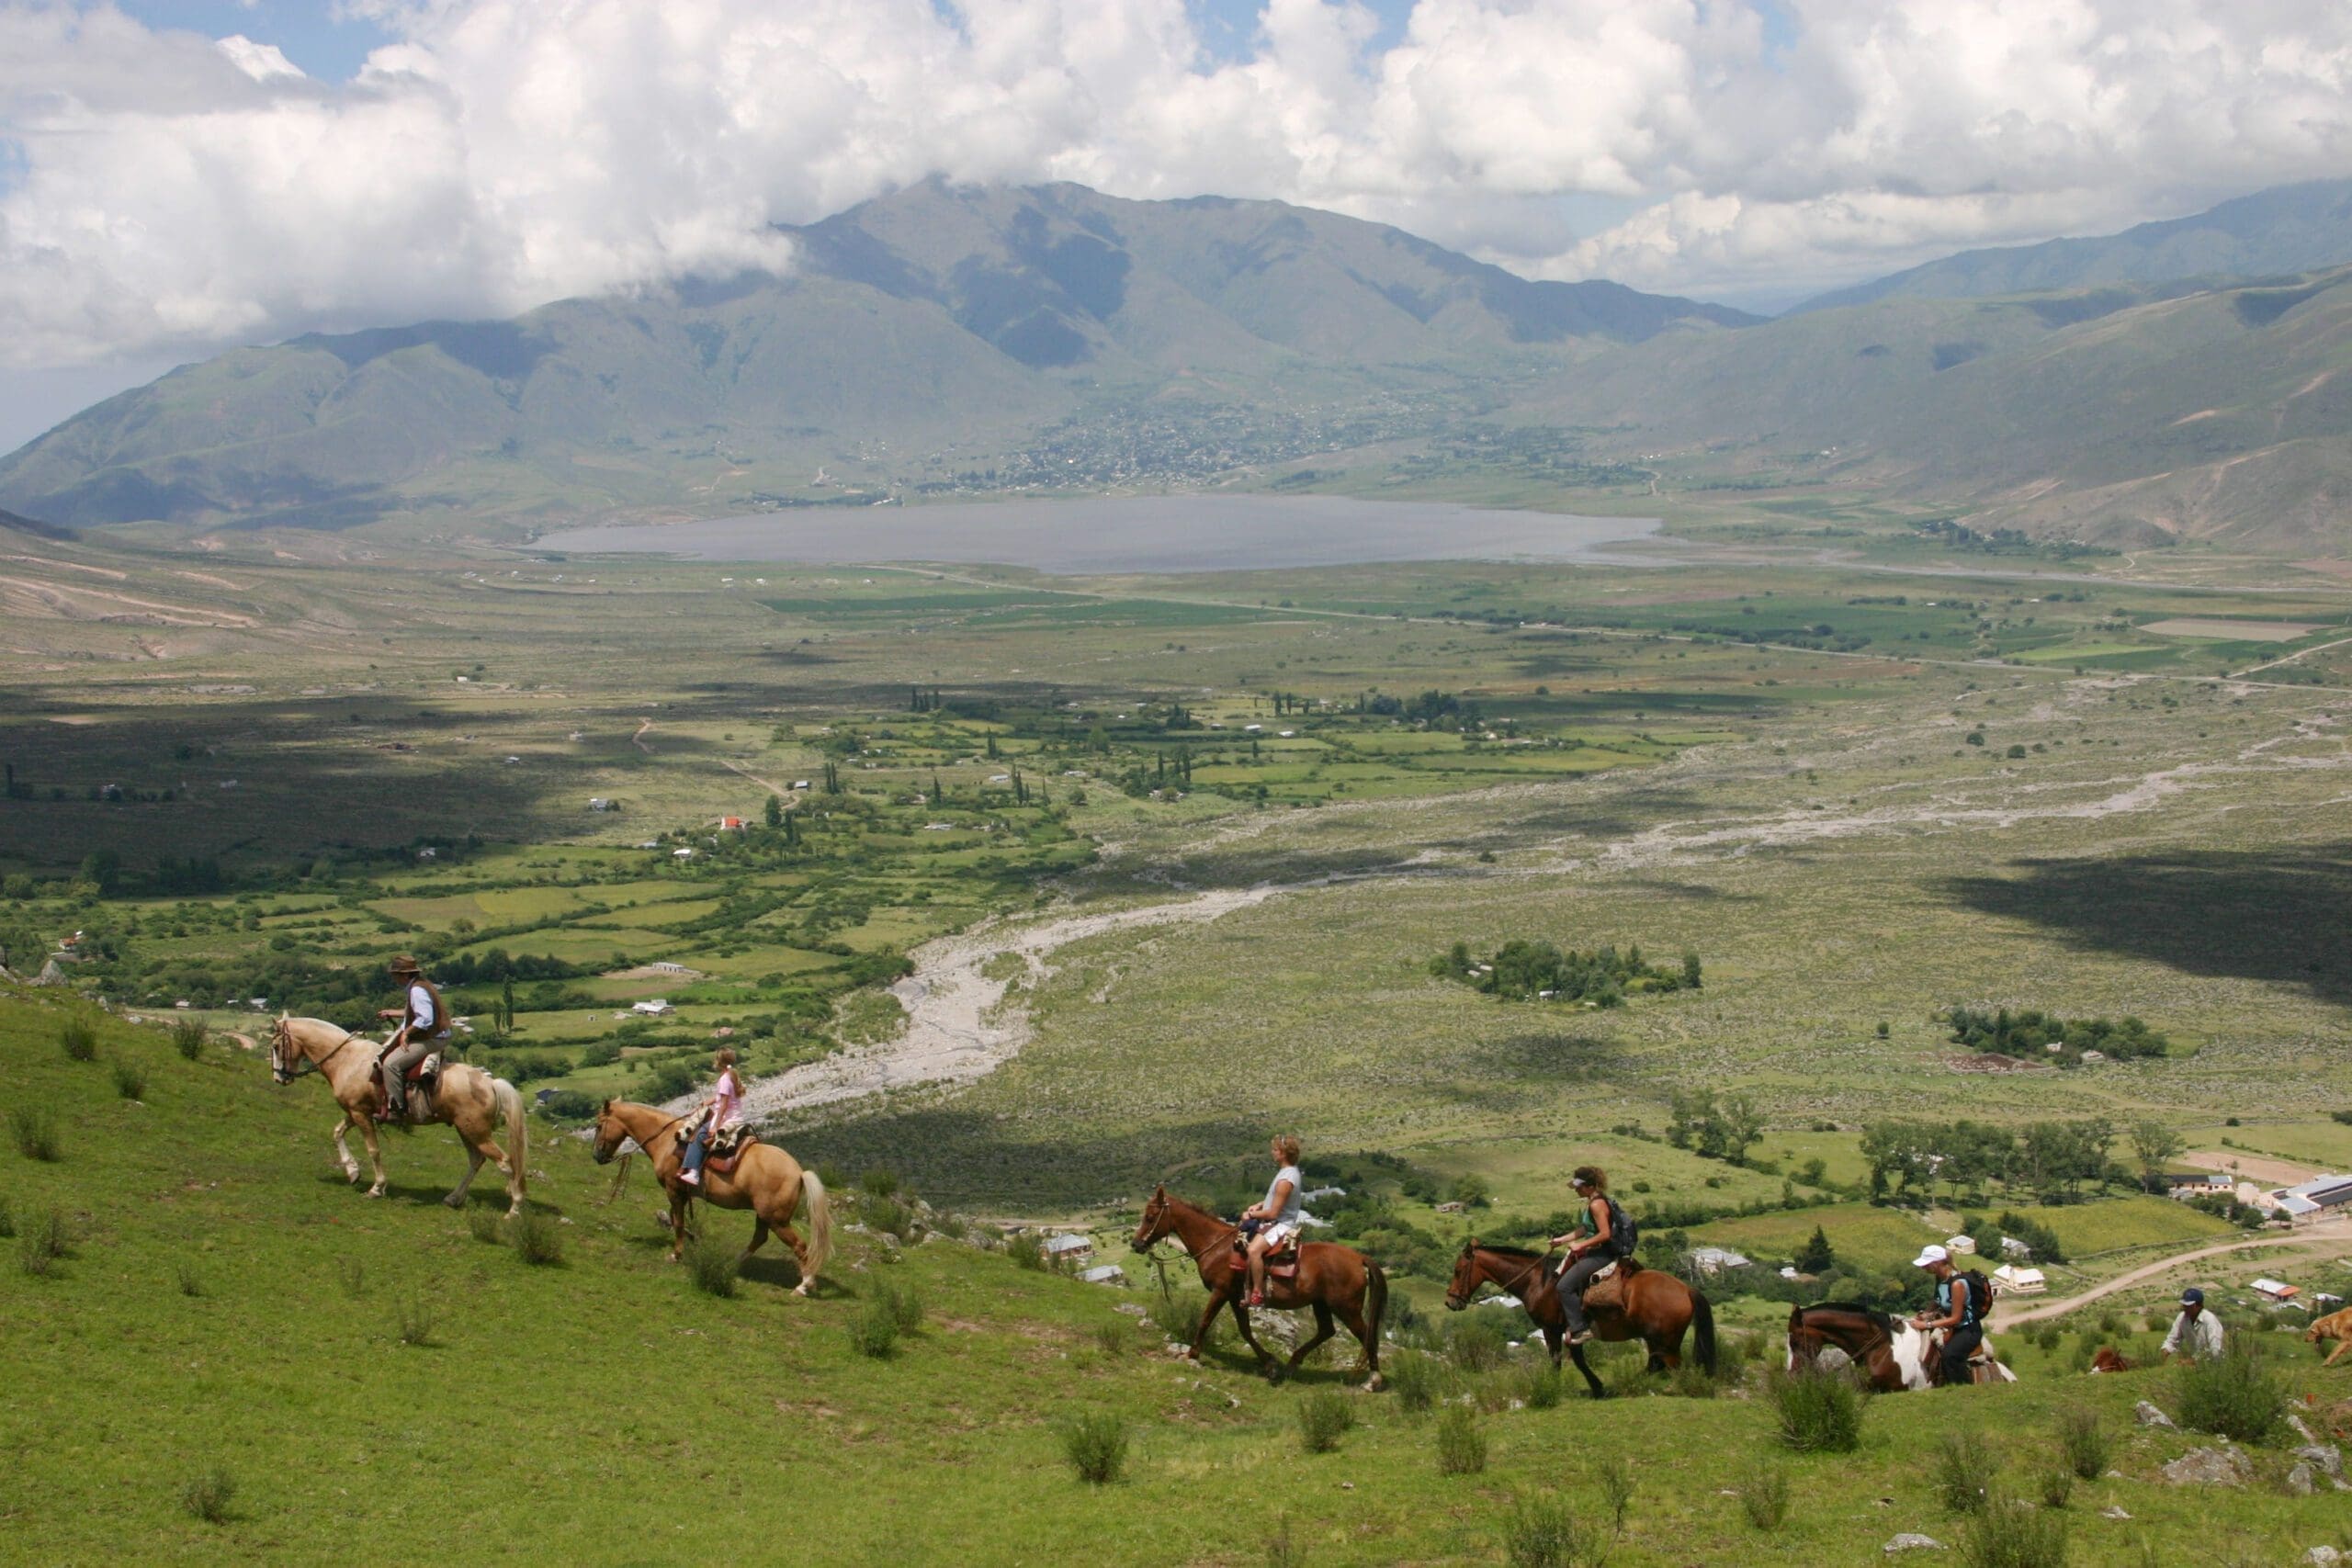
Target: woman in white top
column 1279, row 1214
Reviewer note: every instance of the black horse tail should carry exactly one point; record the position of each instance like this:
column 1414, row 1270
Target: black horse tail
column 1376, row 1295
column 1703, row 1332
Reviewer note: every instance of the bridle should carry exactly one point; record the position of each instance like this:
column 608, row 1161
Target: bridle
column 606, row 1157
column 1512, row 1287
column 1165, row 1210
column 279, row 1048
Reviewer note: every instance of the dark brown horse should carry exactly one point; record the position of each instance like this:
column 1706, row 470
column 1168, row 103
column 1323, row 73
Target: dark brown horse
column 1330, row 1279
column 1648, row 1304
column 1893, row 1355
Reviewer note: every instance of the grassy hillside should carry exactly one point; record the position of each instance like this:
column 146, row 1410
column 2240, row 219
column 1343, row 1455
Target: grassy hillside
column 226, row 1303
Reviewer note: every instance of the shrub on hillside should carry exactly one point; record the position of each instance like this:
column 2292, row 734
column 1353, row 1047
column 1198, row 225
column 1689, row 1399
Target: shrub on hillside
column 2084, row 1441
column 1324, row 1418
column 1543, row 1387
column 2007, row 1533
column 1416, row 1379
column 1616, row 1479
column 78, row 1039
column 191, row 1283
column 128, row 1081
column 1962, row 1468
column 1026, row 1254
column 1177, row 1314
column 1764, row 1498
column 1461, row 1446
column 413, row 1319
column 537, row 1238
column 1095, row 1444
column 40, row 1242
column 1474, row 1342
column 7, row 1222
column 187, row 1037
column 208, row 1496
column 1543, row 1533
column 905, row 1303
column 486, row 1227
column 2234, row 1393
column 35, row 1132
column 1817, row 1412
column 711, row 1264
column 1285, row 1550
column 875, row 1330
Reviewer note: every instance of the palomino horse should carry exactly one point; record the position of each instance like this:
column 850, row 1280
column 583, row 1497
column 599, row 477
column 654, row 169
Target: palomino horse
column 765, row 1180
column 1330, row 1279
column 1893, row 1354
column 1648, row 1304
column 467, row 1099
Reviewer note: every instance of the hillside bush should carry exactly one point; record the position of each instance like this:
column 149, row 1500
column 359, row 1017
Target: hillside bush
column 1474, row 1343
column 7, row 1221
column 208, row 1496
column 1817, row 1412
column 1324, row 1418
column 1764, row 1498
column 711, row 1264
column 190, row 1282
column 1616, row 1479
column 187, row 1038
column 2057, row 1485
column 2235, row 1394
column 78, row 1039
column 905, row 1303
column 537, row 1238
column 2007, row 1533
column 874, row 1331
column 1962, row 1467
column 1285, row 1550
column 413, row 1319
column 486, row 1227
column 1095, row 1444
column 353, row 1273
column 35, row 1132
column 40, row 1242
column 1177, row 1314
column 129, row 1082
column 1461, row 1446
column 1415, row 1380
column 1542, row 1532
column 1026, row 1253
column 2084, row 1441
column 1543, row 1387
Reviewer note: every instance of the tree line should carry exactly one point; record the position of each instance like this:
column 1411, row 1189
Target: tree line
column 1524, row 970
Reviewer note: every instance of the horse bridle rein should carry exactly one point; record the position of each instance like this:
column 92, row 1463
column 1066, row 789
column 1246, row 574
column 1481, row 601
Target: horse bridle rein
column 278, row 1045
column 1529, row 1272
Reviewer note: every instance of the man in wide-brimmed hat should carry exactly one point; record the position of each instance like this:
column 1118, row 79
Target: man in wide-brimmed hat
column 424, row 1023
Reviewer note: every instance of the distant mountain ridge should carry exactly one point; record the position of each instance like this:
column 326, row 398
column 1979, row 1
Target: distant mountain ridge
column 2283, row 230
column 939, row 318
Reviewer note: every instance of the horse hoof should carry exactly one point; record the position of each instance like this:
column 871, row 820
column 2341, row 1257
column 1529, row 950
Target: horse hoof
column 375, row 1192
column 453, row 1201
column 801, row 1289
column 1375, row 1383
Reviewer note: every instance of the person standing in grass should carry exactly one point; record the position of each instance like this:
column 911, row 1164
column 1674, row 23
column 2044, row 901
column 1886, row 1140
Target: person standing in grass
column 1957, row 1312
column 424, row 1025
column 1592, row 1247
column 1277, row 1216
column 2195, row 1333
column 726, row 1110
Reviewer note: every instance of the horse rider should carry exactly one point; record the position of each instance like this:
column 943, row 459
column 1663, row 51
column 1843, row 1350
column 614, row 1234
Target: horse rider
column 1592, row 1247
column 1957, row 1312
column 726, row 1110
column 2195, row 1333
column 1277, row 1216
column 425, row 1024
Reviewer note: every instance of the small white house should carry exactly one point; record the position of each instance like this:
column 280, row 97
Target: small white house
column 652, row 1006
column 2276, row 1290
column 686, row 853
column 2012, row 1247
column 1960, row 1243
column 598, row 803
column 1105, row 1274
column 1715, row 1259
column 1072, row 1245
column 2016, row 1280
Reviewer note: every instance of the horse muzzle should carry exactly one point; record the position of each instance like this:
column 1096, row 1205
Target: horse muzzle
column 1454, row 1303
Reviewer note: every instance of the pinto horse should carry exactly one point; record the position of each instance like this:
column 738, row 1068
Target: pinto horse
column 1648, row 1304
column 467, row 1099
column 1893, row 1354
column 1331, row 1279
column 766, row 1180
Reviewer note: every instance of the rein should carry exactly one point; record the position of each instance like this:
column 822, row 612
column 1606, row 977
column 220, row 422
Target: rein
column 286, row 1076
column 1189, row 1251
column 1531, row 1271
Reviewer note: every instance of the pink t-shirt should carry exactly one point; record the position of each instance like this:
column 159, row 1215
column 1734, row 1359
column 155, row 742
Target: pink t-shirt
column 726, row 1101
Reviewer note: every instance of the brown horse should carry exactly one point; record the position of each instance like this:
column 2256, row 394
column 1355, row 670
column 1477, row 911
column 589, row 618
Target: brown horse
column 1330, row 1279
column 467, row 1099
column 765, row 1180
column 1893, row 1354
column 1648, row 1304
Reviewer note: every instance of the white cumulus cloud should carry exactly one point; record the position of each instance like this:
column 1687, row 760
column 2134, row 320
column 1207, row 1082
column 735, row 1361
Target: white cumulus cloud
column 164, row 192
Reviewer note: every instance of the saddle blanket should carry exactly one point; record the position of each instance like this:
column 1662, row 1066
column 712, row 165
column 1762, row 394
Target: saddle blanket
column 1280, row 1266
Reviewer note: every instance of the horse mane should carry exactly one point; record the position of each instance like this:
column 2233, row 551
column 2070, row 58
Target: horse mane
column 1510, row 1252
column 1854, row 1309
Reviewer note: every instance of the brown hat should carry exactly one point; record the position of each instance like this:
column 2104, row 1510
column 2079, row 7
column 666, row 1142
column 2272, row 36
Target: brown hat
column 403, row 964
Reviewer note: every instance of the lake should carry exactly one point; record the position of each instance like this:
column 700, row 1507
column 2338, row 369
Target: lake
column 1152, row 533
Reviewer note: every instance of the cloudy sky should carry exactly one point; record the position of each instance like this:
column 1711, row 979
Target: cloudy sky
column 176, row 176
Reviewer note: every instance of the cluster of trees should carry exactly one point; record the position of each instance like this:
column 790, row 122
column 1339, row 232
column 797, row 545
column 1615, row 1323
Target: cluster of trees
column 1523, row 970
column 2055, row 1159
column 2031, row 1032
column 1723, row 1129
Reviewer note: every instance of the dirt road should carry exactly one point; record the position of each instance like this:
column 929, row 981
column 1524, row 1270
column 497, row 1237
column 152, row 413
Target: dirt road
column 2253, row 1167
column 2336, row 1234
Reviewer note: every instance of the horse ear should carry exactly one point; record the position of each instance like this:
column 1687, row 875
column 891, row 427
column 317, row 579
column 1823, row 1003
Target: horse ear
column 1161, row 1191
column 1469, row 1245
column 607, row 1109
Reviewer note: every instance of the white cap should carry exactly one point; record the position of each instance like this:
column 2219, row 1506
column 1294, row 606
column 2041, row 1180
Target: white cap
column 1929, row 1254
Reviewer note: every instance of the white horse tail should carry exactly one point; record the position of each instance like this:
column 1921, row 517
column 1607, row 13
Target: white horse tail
column 518, row 1135
column 821, row 1227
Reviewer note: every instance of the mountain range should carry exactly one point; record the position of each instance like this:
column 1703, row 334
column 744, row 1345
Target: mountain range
column 948, row 338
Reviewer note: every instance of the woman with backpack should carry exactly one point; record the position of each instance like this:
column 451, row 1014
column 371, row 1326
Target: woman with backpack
column 1602, row 1238
column 1961, row 1303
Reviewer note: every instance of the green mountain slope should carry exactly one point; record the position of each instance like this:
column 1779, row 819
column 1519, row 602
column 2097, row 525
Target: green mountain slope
column 938, row 325
column 2289, row 228
column 2130, row 414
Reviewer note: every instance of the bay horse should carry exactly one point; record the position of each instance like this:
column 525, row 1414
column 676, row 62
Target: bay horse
column 764, row 1179
column 466, row 1099
column 1331, row 1279
column 1891, row 1353
column 1648, row 1304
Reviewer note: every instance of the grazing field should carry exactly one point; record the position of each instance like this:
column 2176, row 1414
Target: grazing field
column 226, row 1308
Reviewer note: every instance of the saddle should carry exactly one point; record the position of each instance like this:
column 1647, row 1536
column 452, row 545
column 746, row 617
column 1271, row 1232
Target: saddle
column 727, row 1147
column 422, row 1081
column 1283, row 1265
column 1606, row 1289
